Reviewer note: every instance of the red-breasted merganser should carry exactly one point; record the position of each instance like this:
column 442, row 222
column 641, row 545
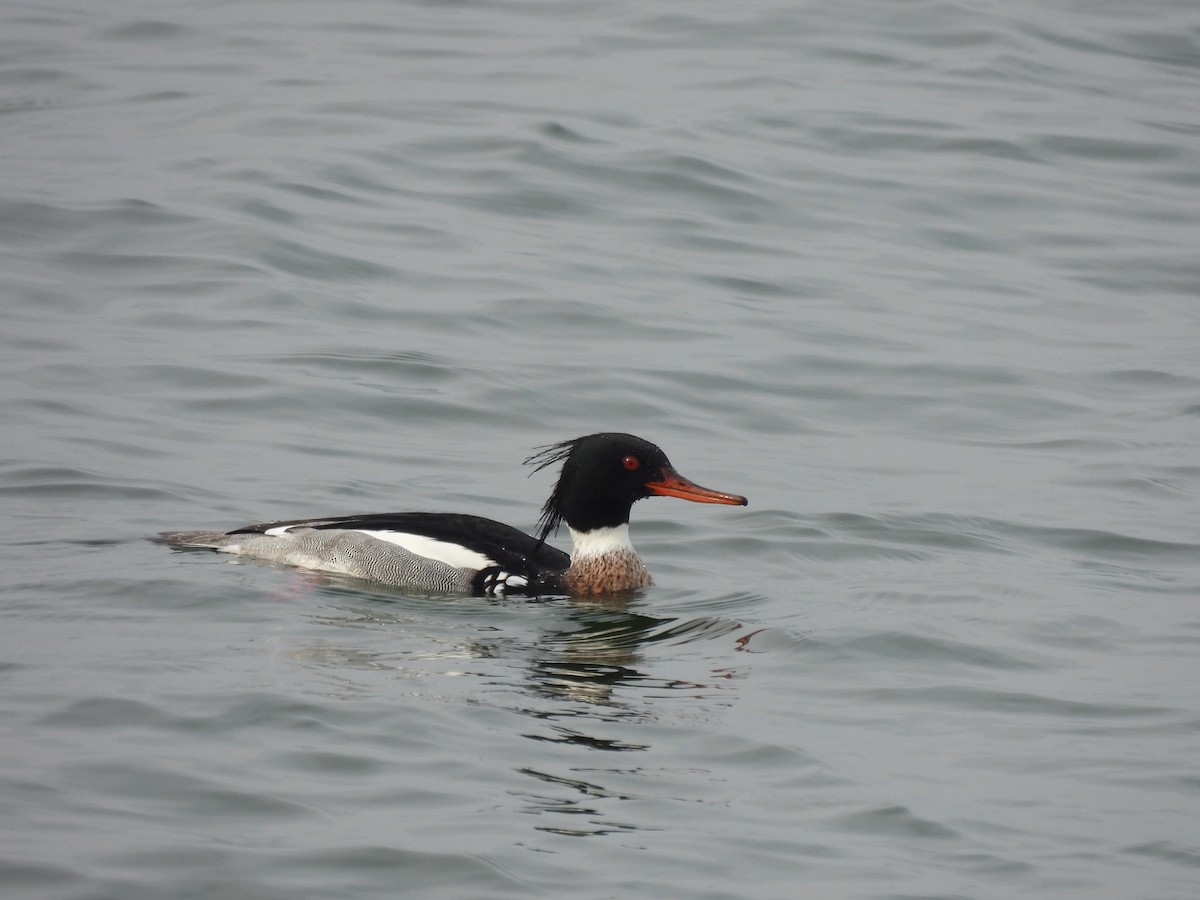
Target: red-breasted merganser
column 602, row 476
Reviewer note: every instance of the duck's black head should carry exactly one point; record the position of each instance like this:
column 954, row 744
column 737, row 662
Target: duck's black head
column 603, row 475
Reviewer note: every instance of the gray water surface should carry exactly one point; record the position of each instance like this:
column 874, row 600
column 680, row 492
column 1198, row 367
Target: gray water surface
column 919, row 279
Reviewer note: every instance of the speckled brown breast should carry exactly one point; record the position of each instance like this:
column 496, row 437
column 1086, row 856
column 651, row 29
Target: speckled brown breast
column 606, row 574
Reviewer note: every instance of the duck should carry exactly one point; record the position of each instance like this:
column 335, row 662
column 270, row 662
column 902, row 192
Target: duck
column 602, row 475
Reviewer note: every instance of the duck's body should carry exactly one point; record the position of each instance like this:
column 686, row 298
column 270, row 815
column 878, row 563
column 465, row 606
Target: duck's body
column 603, row 475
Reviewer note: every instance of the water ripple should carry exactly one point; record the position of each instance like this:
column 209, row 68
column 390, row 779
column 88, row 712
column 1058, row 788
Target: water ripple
column 919, row 279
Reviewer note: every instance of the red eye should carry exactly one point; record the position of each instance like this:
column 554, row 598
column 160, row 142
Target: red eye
column 631, row 462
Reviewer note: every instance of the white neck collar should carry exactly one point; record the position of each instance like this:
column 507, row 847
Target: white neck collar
column 600, row 541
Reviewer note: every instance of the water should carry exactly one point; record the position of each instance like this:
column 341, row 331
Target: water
column 919, row 279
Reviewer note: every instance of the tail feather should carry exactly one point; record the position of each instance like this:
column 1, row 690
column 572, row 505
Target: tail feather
column 209, row 540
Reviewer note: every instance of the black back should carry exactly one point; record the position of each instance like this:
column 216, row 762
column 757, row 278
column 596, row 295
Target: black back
column 513, row 550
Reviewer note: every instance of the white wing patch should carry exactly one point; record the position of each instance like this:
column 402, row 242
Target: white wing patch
column 497, row 582
column 455, row 555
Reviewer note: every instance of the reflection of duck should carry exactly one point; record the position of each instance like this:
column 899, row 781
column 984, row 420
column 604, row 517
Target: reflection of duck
column 602, row 476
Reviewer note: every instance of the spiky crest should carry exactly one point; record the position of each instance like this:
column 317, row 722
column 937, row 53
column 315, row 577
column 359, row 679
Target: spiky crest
column 548, row 455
